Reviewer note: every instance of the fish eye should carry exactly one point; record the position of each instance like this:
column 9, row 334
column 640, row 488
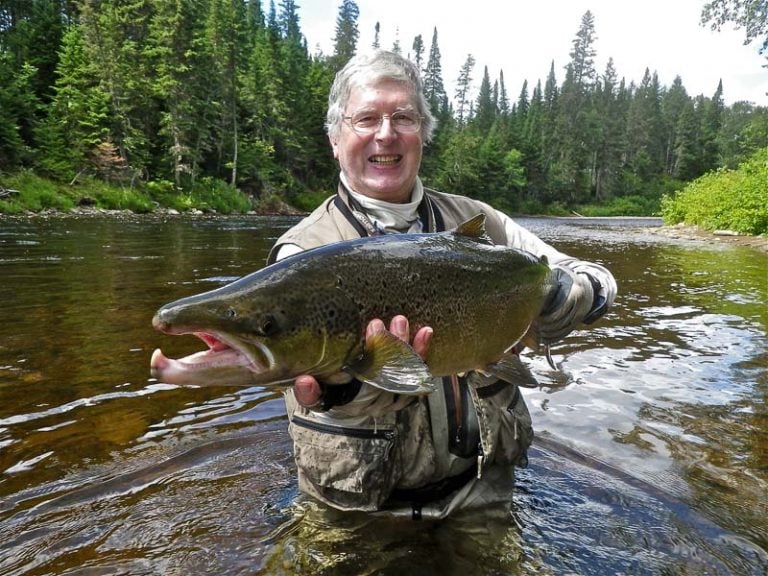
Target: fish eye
column 230, row 313
column 268, row 325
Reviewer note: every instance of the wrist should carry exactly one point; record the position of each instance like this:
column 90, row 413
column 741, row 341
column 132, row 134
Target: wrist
column 599, row 301
column 337, row 394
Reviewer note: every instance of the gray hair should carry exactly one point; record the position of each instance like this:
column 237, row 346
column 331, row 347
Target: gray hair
column 368, row 69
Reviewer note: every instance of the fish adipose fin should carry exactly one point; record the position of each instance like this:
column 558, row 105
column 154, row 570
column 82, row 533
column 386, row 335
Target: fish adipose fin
column 511, row 369
column 392, row 365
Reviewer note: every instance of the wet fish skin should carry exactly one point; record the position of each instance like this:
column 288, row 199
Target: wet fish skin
column 307, row 313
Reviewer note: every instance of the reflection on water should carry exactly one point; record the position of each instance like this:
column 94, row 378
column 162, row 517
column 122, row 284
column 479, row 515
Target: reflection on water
column 651, row 458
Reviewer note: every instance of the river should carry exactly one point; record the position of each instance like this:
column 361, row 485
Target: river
column 651, row 454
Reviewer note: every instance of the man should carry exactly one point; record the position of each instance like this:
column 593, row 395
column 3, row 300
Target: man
column 358, row 447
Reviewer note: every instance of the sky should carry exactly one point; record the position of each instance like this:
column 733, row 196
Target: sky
column 522, row 39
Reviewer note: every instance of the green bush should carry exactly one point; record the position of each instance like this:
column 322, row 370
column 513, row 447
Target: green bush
column 623, row 206
column 207, row 194
column 724, row 200
column 117, row 197
column 307, row 201
column 212, row 194
column 35, row 194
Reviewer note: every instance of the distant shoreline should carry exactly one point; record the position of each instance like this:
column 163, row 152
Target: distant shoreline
column 677, row 231
column 688, row 232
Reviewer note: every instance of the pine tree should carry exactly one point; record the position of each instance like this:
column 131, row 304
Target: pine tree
column 345, row 41
column 577, row 123
column 17, row 101
column 418, row 52
column 711, row 126
column 434, row 89
column 78, row 116
column 686, row 163
column 117, row 37
column 396, row 44
column 486, row 108
column 673, row 103
column 583, row 53
column 609, row 148
column 376, row 41
column 645, row 131
column 173, row 31
column 463, row 88
column 227, row 33
column 502, row 100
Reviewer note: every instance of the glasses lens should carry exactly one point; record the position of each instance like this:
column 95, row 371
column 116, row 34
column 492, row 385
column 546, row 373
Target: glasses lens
column 365, row 122
column 368, row 122
column 406, row 121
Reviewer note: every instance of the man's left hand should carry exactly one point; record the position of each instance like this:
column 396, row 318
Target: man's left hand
column 568, row 306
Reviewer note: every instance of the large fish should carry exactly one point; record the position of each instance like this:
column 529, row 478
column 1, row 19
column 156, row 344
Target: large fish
column 307, row 313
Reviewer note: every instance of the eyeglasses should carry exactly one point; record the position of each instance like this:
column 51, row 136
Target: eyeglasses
column 402, row 121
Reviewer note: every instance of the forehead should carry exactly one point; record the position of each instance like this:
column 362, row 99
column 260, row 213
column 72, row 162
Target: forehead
column 382, row 94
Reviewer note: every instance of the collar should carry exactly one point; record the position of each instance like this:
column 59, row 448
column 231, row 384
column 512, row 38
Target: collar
column 427, row 216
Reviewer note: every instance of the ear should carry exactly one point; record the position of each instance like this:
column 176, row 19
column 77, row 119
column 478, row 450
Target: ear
column 335, row 145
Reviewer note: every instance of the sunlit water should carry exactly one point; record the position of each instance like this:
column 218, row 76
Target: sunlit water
column 651, row 456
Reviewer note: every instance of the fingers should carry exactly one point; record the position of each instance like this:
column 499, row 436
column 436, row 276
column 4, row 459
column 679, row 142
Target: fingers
column 421, row 341
column 374, row 326
column 307, row 391
column 400, row 327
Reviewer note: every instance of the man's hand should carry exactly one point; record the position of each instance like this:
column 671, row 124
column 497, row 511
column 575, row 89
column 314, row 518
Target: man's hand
column 309, row 392
column 569, row 305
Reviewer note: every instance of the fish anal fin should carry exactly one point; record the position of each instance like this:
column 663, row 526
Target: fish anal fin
column 392, row 365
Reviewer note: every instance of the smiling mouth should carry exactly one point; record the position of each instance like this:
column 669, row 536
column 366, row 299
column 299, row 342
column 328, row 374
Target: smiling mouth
column 385, row 160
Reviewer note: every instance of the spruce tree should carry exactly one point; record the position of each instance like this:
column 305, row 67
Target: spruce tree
column 347, row 33
column 434, row 89
column 463, row 91
column 486, row 108
column 418, row 52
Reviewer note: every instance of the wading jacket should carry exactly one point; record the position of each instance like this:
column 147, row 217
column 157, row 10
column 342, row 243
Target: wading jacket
column 424, row 456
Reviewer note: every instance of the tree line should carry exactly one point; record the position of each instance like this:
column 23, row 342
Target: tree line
column 137, row 91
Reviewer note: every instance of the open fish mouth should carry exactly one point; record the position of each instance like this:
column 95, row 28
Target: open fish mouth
column 222, row 353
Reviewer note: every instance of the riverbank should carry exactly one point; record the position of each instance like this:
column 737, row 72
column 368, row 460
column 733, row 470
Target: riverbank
column 687, row 232
column 677, row 231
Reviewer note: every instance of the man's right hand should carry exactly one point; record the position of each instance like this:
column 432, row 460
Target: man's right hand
column 309, row 392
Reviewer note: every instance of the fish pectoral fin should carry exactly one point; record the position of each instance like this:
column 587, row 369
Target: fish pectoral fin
column 512, row 369
column 392, row 365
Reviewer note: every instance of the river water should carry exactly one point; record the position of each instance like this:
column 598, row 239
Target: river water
column 651, row 454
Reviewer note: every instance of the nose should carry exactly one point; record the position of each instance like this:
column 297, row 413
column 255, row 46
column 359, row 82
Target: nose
column 386, row 130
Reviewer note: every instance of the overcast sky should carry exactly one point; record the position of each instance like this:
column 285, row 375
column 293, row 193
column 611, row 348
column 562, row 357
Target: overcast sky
column 523, row 38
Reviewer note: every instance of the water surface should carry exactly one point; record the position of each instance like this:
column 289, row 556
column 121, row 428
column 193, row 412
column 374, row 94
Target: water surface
column 651, row 455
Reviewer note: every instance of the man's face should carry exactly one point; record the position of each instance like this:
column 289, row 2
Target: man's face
column 384, row 164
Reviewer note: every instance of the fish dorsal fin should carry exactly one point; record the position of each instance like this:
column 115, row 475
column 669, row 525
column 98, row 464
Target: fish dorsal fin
column 473, row 228
column 392, row 365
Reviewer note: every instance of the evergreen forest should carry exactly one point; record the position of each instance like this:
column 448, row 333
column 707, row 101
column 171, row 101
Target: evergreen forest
column 171, row 96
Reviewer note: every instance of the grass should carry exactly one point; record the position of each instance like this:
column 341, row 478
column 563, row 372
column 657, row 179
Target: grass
column 34, row 193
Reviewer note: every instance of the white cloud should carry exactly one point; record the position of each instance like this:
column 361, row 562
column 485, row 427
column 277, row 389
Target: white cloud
column 523, row 38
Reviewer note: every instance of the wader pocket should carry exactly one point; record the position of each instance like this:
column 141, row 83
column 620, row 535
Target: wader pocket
column 348, row 467
column 515, row 429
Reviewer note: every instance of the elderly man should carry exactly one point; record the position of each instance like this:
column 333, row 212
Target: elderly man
column 361, row 448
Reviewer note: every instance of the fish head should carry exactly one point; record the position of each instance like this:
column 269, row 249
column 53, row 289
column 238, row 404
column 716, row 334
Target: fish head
column 264, row 335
